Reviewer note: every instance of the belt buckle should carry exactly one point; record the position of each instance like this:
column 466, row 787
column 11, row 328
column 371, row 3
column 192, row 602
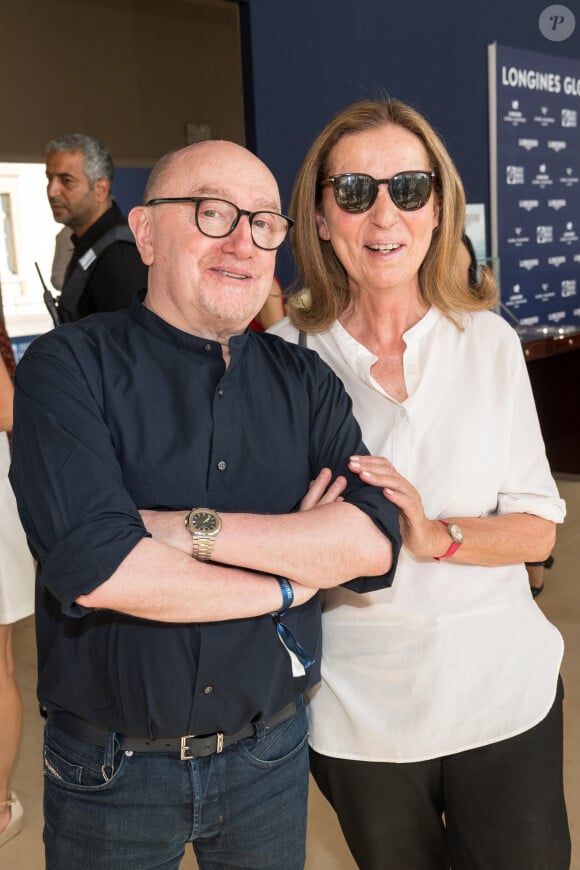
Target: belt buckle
column 185, row 748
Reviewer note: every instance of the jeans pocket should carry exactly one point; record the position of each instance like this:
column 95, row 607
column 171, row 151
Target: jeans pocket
column 279, row 744
column 78, row 765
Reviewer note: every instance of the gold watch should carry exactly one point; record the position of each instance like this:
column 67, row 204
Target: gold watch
column 204, row 524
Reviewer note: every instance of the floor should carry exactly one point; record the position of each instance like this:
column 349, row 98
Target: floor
column 326, row 848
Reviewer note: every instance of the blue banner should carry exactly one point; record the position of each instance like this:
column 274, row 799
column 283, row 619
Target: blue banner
column 535, row 144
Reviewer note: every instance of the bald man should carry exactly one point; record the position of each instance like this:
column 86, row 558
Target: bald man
column 185, row 484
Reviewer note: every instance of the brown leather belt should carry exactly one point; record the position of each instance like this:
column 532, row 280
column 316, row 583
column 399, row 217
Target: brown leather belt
column 188, row 747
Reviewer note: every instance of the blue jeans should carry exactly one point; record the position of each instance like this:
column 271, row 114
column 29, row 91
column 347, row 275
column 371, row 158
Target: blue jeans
column 112, row 810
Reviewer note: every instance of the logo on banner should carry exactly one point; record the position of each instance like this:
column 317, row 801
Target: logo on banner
column 542, row 178
column 557, row 316
column 569, row 118
column 514, row 175
column 544, row 235
column 528, row 144
column 570, row 179
column 516, row 297
column 557, row 145
column 514, row 116
column 556, row 261
column 529, row 264
column 556, row 204
column 518, row 240
column 568, row 288
column 529, row 204
column 544, row 119
column 545, row 295
column 569, row 236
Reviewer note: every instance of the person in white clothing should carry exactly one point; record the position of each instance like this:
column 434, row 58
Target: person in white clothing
column 16, row 602
column 436, row 733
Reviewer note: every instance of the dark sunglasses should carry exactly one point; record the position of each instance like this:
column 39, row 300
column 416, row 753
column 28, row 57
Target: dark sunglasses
column 356, row 192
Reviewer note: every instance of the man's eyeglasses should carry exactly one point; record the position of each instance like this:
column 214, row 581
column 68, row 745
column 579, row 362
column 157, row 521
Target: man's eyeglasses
column 356, row 192
column 217, row 218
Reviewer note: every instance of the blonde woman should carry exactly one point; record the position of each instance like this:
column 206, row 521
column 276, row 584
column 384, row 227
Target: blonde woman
column 436, row 732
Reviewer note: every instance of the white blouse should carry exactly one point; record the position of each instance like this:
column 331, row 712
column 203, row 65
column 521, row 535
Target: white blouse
column 452, row 656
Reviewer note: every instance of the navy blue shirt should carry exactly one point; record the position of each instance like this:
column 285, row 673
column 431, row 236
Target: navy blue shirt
column 121, row 412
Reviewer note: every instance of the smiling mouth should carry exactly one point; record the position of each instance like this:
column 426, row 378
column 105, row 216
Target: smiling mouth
column 235, row 275
column 384, row 249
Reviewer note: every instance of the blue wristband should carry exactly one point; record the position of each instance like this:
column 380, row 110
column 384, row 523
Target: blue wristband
column 287, row 595
column 300, row 659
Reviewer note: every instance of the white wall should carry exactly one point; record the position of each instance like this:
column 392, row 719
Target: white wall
column 34, row 231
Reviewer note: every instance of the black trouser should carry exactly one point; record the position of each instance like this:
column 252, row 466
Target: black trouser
column 500, row 807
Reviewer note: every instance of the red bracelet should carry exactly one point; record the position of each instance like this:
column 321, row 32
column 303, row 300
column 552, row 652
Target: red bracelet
column 455, row 543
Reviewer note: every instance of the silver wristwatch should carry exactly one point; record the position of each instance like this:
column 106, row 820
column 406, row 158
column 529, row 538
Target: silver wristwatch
column 204, row 524
column 456, row 535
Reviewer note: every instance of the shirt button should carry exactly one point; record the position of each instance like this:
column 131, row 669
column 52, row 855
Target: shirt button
column 221, row 465
column 208, row 347
column 220, row 392
column 208, row 690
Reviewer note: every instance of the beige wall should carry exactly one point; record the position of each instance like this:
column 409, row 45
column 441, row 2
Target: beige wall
column 130, row 72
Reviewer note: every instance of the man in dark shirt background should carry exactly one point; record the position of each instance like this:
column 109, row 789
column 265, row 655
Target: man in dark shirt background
column 174, row 686
column 105, row 270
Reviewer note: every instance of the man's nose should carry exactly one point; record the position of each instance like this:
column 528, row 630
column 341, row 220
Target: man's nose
column 240, row 238
column 53, row 187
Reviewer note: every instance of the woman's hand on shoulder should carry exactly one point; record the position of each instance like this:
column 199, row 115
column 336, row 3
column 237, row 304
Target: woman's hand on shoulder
column 423, row 537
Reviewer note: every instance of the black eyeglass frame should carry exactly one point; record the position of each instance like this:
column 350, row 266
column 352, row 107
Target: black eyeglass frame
column 197, row 200
column 431, row 175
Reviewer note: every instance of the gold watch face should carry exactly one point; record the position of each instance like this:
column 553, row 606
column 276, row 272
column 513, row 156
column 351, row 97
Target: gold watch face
column 206, row 522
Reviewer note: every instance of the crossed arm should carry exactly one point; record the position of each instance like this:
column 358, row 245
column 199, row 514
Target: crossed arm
column 326, row 543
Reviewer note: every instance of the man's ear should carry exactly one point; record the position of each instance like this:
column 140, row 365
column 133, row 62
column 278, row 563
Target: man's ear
column 102, row 189
column 140, row 222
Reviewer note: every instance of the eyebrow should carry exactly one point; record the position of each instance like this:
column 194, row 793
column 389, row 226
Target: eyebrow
column 220, row 193
column 60, row 175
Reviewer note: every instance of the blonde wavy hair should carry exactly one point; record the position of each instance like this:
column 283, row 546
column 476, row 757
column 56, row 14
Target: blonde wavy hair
column 441, row 282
